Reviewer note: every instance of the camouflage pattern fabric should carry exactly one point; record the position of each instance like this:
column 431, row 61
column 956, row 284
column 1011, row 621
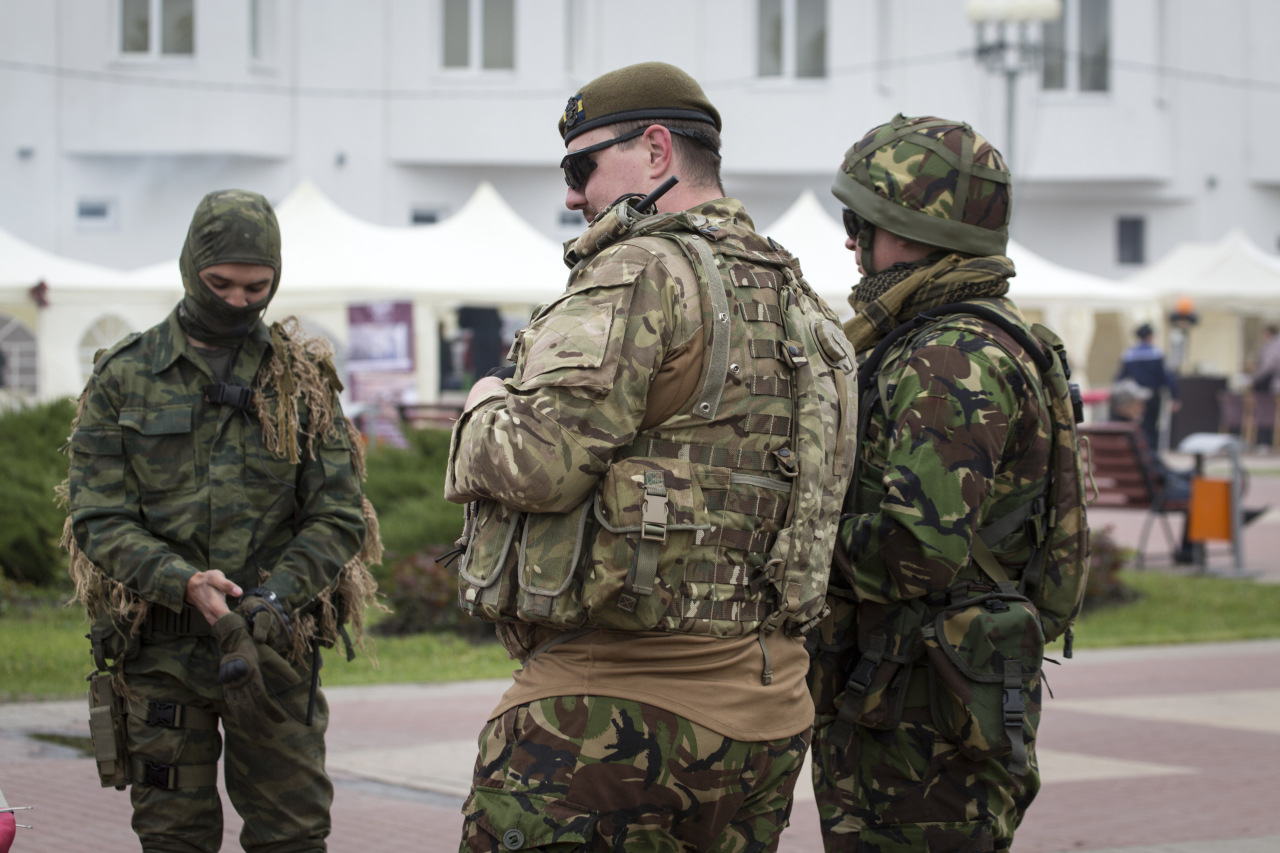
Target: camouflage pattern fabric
column 275, row 776
column 229, row 226
column 165, row 484
column 599, row 774
column 566, row 431
column 959, row 440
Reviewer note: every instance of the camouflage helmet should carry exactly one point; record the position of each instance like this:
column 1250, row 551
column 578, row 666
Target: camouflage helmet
column 905, row 177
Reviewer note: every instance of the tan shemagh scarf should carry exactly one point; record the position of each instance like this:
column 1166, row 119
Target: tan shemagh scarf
column 889, row 298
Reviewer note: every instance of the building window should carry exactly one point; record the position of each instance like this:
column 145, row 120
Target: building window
column 425, row 216
column 791, row 38
column 1132, row 239
column 95, row 213
column 1083, row 31
column 262, row 30
column 17, row 356
column 157, row 27
column 103, row 334
column 1095, row 45
column 490, row 46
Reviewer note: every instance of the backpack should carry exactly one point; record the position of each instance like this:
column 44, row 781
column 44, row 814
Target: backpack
column 1055, row 576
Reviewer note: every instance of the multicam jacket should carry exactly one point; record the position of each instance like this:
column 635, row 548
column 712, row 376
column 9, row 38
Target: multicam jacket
column 639, row 458
column 165, row 484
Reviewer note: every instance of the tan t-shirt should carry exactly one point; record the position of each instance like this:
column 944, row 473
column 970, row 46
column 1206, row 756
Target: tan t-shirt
column 713, row 682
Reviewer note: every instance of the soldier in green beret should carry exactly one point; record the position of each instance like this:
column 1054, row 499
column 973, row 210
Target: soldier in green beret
column 218, row 538
column 964, row 544
column 652, row 498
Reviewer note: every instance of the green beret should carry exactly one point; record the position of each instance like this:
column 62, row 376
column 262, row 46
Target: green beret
column 650, row 90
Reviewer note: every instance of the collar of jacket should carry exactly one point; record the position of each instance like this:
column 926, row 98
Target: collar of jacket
column 172, row 343
column 621, row 222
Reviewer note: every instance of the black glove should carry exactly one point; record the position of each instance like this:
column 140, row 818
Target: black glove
column 266, row 618
column 240, row 671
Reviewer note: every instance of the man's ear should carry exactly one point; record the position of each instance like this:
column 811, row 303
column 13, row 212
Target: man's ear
column 661, row 152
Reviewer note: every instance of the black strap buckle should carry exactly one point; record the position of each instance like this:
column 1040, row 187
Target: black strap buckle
column 156, row 775
column 165, row 714
column 861, row 677
column 224, row 394
column 1014, row 710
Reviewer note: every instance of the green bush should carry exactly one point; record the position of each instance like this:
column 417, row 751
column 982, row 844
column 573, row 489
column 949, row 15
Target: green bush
column 30, row 466
column 423, row 596
column 407, row 489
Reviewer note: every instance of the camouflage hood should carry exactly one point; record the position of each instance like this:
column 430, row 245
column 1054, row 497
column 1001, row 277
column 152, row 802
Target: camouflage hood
column 891, row 297
column 229, row 226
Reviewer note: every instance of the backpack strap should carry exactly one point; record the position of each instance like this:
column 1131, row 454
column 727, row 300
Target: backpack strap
column 699, row 254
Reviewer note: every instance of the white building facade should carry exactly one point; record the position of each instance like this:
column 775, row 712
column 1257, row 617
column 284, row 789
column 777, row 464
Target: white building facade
column 1147, row 126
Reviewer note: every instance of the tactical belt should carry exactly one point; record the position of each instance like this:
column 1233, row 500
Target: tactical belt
column 719, row 457
column 171, row 777
column 189, row 622
column 172, row 715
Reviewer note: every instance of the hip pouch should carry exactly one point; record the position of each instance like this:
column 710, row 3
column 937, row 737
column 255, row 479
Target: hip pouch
column 107, row 715
column 890, row 641
column 985, row 655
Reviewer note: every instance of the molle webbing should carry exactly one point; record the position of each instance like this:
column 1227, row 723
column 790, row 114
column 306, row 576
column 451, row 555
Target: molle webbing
column 752, row 542
column 771, row 508
column 751, row 278
column 770, row 386
column 761, row 312
column 187, row 623
column 719, row 457
column 172, row 715
column 721, row 573
column 769, row 348
column 765, row 424
column 720, row 611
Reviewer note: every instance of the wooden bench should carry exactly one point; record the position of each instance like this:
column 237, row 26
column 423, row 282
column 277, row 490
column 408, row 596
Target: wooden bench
column 1119, row 472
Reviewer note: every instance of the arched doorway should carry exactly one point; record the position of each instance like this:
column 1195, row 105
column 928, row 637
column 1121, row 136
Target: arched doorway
column 104, row 333
column 18, row 367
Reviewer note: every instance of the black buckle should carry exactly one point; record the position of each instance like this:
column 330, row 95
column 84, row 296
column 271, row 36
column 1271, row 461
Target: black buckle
column 225, row 394
column 861, row 677
column 995, row 605
column 1013, row 707
column 163, row 714
column 158, row 775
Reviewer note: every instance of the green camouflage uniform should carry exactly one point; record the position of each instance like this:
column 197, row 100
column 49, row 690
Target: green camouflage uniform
column 959, row 438
column 601, row 774
column 165, row 484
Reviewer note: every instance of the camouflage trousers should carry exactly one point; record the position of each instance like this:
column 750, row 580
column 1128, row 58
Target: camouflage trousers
column 274, row 775
column 908, row 790
column 574, row 773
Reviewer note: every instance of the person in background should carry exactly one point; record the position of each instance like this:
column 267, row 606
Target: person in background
column 1144, row 363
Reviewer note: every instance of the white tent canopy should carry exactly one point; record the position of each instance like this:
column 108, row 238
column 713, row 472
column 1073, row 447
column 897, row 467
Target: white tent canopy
column 23, row 265
column 1231, row 273
column 327, row 252
column 1067, row 299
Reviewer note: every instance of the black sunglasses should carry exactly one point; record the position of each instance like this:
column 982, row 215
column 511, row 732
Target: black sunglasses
column 853, row 223
column 578, row 166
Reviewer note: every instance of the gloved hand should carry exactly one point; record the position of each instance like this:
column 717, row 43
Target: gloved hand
column 266, row 618
column 241, row 673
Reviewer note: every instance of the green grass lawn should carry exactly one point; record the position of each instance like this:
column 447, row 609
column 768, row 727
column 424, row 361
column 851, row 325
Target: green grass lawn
column 1178, row 609
column 43, row 653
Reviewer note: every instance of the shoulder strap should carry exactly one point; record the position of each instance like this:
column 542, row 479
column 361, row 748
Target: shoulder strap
column 699, row 254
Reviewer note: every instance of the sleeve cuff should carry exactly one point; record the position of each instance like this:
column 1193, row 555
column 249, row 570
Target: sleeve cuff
column 171, row 592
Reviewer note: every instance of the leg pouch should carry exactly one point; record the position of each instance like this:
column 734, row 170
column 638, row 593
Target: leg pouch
column 518, row 820
column 107, row 721
column 926, row 838
column 985, row 656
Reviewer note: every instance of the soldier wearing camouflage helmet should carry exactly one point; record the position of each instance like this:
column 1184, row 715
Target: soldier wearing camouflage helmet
column 926, row 677
column 218, row 538
column 652, row 501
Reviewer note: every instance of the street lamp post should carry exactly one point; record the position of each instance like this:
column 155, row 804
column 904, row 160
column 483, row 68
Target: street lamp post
column 1007, row 45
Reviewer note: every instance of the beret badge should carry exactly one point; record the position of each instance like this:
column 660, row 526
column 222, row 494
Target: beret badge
column 573, row 112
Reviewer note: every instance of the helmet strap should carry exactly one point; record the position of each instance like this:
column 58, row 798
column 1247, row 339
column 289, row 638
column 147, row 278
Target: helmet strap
column 866, row 240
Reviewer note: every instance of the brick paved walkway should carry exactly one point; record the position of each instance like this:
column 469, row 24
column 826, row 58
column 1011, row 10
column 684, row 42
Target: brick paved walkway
column 1163, row 750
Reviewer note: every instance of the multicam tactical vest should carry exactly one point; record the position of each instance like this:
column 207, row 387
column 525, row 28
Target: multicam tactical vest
column 722, row 519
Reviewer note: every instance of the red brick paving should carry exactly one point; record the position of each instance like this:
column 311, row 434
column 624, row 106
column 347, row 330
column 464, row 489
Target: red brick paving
column 1231, row 794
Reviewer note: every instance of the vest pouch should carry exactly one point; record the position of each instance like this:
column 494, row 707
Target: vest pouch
column 889, row 643
column 551, row 557
column 985, row 656
column 646, row 511
column 488, row 566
